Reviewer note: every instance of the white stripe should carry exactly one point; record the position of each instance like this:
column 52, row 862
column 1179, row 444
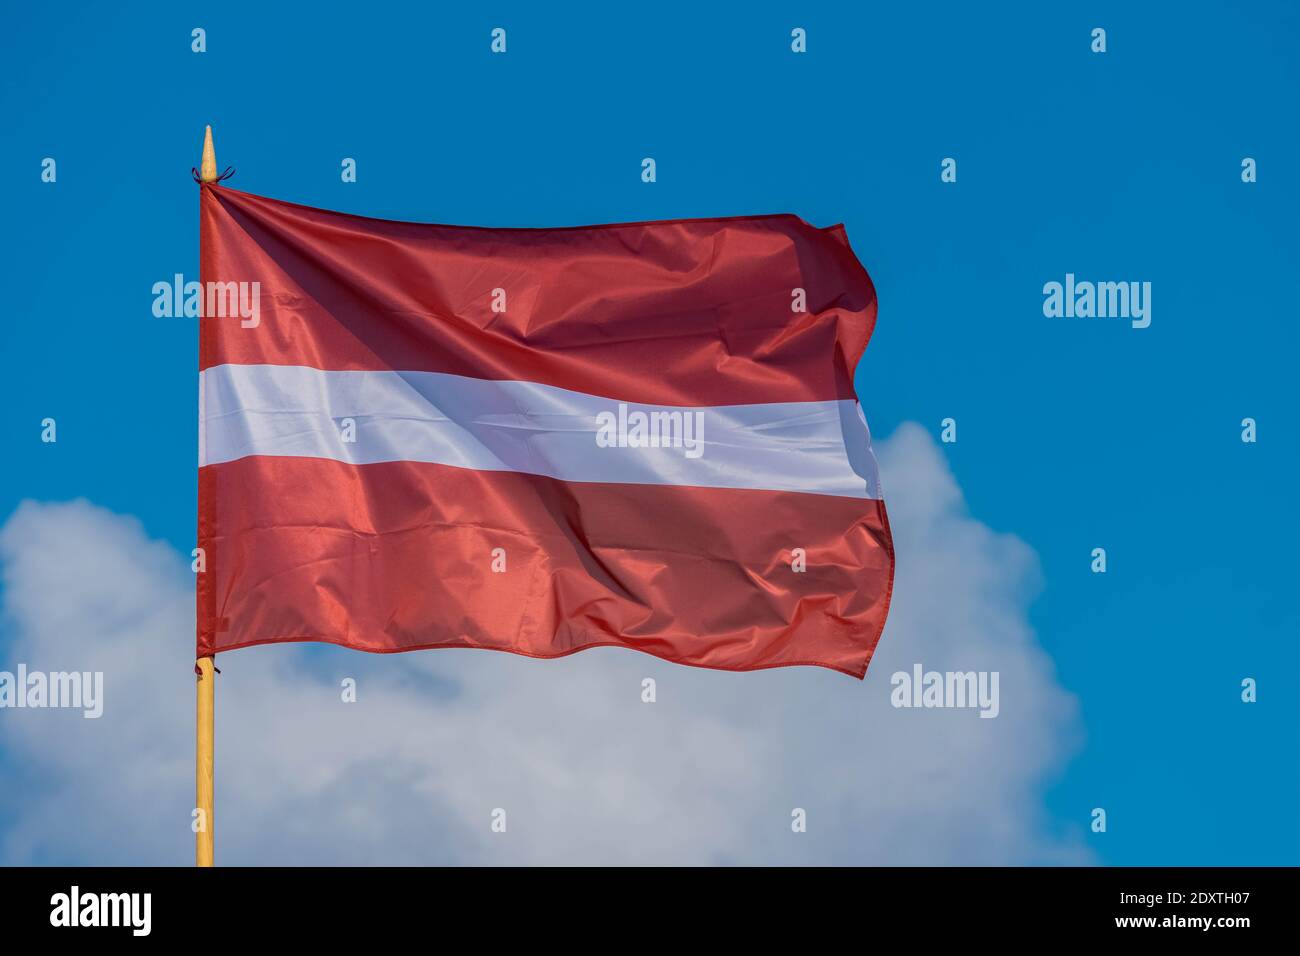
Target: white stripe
column 816, row 447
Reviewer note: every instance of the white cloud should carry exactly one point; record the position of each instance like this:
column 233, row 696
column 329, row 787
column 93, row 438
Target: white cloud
column 586, row 772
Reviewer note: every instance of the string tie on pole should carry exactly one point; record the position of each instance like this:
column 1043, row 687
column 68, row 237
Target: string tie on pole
column 225, row 174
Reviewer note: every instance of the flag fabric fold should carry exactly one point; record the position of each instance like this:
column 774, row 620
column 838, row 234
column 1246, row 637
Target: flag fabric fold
column 642, row 435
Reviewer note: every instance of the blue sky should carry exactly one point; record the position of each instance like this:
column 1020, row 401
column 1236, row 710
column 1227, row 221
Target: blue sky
column 1072, row 433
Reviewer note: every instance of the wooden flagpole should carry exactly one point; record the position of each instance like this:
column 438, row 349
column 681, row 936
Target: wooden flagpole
column 203, row 762
column 204, row 697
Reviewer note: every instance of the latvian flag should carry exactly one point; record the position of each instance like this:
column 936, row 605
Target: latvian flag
column 639, row 435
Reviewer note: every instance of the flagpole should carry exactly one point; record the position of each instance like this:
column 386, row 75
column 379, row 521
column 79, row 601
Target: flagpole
column 204, row 699
column 204, row 694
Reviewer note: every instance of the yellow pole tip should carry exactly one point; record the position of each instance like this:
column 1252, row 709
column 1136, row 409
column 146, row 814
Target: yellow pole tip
column 208, row 168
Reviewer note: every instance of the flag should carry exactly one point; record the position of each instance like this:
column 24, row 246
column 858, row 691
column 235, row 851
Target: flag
column 640, row 435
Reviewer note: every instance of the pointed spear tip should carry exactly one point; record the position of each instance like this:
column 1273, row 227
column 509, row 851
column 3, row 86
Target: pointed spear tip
column 208, row 168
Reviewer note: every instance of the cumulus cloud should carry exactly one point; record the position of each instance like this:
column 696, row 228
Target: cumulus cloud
column 585, row 771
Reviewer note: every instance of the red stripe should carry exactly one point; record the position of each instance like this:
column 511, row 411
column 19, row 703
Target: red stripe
column 398, row 556
column 687, row 312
